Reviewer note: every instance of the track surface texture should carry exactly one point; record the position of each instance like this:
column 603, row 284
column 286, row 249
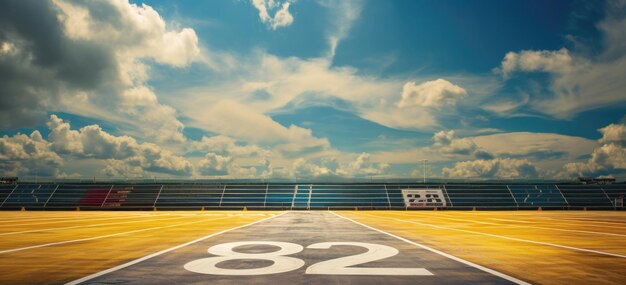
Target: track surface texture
column 365, row 247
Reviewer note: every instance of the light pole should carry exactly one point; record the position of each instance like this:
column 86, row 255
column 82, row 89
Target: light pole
column 425, row 161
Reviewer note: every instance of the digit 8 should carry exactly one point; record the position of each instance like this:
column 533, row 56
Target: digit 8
column 225, row 252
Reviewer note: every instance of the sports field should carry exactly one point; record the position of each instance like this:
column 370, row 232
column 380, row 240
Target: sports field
column 316, row 247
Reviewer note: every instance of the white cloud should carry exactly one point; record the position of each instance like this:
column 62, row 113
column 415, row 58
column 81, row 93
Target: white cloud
column 160, row 120
column 237, row 120
column 130, row 34
column 303, row 168
column 221, row 144
column 614, row 133
column 362, row 166
column 578, row 82
column 28, row 155
column 447, row 143
column 284, row 81
column 545, row 151
column 125, row 156
column 506, row 107
column 281, row 18
column 215, row 165
column 343, row 14
column 559, row 61
column 493, row 168
column 609, row 158
column 524, row 143
column 358, row 166
column 144, row 34
column 6, row 48
column 431, row 94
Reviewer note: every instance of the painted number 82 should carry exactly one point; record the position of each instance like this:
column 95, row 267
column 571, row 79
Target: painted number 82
column 284, row 263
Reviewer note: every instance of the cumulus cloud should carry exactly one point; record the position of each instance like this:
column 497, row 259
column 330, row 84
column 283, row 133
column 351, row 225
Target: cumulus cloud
column 125, row 156
column 22, row 154
column 614, row 133
column 436, row 94
column 39, row 63
column 215, row 164
column 362, row 166
column 492, row 168
column 608, row 159
column 447, row 144
column 158, row 121
column 559, row 61
column 358, row 166
column 281, row 18
column 224, row 155
column 144, row 34
column 89, row 58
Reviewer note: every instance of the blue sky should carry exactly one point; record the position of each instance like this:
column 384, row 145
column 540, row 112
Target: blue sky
column 282, row 88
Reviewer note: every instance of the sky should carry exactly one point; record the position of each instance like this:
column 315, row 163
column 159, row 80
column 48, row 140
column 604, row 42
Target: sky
column 281, row 89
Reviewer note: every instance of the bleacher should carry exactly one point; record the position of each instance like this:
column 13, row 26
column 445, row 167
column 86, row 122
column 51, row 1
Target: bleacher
column 530, row 196
column 585, row 196
column 487, row 196
column 234, row 195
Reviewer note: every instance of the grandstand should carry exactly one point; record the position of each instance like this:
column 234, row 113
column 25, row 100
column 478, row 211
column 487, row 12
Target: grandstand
column 248, row 229
column 297, row 196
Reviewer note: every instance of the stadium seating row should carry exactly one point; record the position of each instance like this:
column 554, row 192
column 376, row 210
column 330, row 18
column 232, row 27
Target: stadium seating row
column 304, row 196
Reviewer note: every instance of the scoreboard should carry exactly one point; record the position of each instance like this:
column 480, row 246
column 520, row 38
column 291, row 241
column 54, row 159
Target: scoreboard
column 423, row 198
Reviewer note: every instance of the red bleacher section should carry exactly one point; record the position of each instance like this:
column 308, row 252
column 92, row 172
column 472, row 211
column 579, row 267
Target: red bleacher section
column 104, row 197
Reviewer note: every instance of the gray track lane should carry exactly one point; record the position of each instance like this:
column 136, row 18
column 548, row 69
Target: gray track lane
column 304, row 228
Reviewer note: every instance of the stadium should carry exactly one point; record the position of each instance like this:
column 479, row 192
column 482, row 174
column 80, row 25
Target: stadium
column 312, row 142
column 380, row 233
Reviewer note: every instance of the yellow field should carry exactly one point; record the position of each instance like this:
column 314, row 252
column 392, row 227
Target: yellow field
column 549, row 247
column 53, row 264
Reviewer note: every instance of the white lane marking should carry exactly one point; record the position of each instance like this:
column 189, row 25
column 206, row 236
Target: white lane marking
column 594, row 220
column 52, row 218
column 508, row 238
column 479, row 267
column 133, row 262
column 586, row 223
column 565, row 220
column 103, row 236
column 443, row 216
column 507, row 220
column 87, row 226
column 78, row 220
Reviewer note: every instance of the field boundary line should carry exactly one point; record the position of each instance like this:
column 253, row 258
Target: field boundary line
column 469, row 263
column 444, row 216
column 102, row 236
column 117, row 217
column 53, row 218
column 141, row 259
column 508, row 238
column 587, row 222
column 88, row 226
